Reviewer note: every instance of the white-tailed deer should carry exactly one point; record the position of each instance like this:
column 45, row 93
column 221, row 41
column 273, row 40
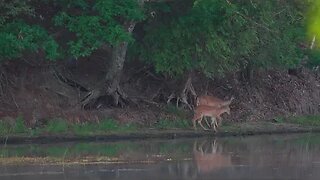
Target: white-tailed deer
column 213, row 112
column 211, row 158
column 213, row 101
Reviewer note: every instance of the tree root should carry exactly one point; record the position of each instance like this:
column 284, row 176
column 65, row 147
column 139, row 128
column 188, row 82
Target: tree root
column 4, row 82
column 186, row 93
column 118, row 95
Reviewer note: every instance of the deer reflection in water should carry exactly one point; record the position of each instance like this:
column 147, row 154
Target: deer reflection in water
column 208, row 157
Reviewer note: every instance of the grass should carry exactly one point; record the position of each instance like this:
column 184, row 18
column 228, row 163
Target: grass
column 179, row 112
column 310, row 120
column 171, row 124
column 17, row 127
column 105, row 126
column 5, row 128
column 56, row 126
column 60, row 126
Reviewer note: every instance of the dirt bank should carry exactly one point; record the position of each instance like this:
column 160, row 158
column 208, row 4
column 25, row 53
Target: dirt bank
column 41, row 91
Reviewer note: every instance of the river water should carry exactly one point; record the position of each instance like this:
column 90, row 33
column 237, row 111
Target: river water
column 295, row 156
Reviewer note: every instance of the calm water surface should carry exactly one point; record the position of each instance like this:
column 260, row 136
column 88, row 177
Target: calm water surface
column 254, row 157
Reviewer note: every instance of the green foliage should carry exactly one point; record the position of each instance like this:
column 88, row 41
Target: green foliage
column 10, row 9
column 314, row 57
column 105, row 126
column 279, row 120
column 5, row 128
column 169, row 124
column 57, row 126
column 179, row 112
column 19, row 126
column 67, row 4
column 313, row 20
column 310, row 120
column 10, row 126
column 19, row 37
column 218, row 36
column 104, row 26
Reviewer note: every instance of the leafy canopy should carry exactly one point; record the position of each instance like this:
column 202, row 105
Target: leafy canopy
column 17, row 37
column 98, row 23
column 218, row 36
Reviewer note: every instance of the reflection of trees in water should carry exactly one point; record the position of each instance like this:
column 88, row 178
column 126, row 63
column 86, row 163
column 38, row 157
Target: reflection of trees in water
column 269, row 157
column 258, row 156
column 272, row 150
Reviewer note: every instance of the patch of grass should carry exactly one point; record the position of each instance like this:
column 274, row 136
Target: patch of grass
column 108, row 125
column 57, row 126
column 310, row 120
column 279, row 120
column 19, row 126
column 230, row 128
column 14, row 126
column 129, row 127
column 169, row 124
column 105, row 126
column 5, row 128
column 172, row 109
column 84, row 129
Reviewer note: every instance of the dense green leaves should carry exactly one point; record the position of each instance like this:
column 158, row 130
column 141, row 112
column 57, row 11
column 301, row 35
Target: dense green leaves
column 211, row 36
column 101, row 23
column 218, row 36
column 13, row 8
column 18, row 37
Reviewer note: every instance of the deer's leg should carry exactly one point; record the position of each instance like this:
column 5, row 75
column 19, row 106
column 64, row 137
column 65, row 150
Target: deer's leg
column 194, row 124
column 206, row 119
column 218, row 123
column 213, row 123
column 196, row 117
column 200, row 122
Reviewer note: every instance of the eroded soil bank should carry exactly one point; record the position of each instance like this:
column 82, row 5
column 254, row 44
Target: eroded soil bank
column 42, row 92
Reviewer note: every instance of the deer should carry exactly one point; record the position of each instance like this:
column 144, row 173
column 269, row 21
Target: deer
column 213, row 112
column 214, row 102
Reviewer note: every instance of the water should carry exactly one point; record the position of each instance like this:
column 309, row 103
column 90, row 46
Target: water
column 255, row 157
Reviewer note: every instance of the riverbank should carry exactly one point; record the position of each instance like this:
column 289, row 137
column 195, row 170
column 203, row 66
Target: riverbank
column 237, row 129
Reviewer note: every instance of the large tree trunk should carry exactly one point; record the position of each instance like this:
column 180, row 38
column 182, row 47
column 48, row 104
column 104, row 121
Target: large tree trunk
column 111, row 84
column 113, row 76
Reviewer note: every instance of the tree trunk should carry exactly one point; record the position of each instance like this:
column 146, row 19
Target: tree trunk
column 111, row 84
column 113, row 77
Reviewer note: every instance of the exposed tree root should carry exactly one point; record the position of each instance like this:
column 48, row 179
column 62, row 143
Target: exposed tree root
column 187, row 93
column 118, row 95
column 3, row 81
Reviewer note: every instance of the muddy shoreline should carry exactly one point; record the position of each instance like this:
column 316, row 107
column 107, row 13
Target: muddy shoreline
column 243, row 129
